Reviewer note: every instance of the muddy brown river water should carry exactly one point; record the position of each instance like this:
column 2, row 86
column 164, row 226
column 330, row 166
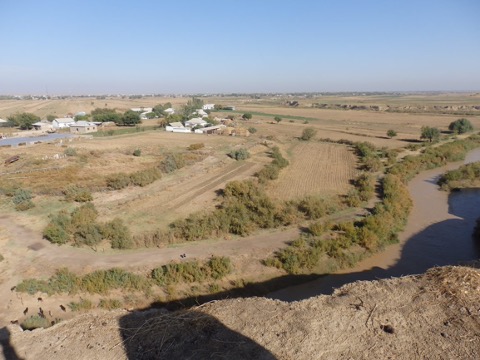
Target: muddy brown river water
column 438, row 233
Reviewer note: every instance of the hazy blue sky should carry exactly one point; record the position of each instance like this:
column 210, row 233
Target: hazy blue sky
column 181, row 46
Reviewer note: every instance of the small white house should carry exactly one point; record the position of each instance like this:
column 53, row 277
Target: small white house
column 195, row 122
column 61, row 123
column 142, row 109
column 208, row 107
column 169, row 111
column 177, row 127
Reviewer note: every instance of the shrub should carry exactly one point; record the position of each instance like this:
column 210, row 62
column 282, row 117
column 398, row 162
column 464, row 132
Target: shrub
column 83, row 304
column 58, row 229
column 24, row 205
column 252, row 130
column 315, row 207
column 196, row 146
column 69, row 151
column 137, row 152
column 220, row 266
column 87, row 234
column 56, row 234
column 23, row 200
column 247, row 116
column 172, row 162
column 35, row 322
column 84, row 215
column 118, row 234
column 269, row 172
column 118, row 181
column 239, row 154
column 308, row 134
column 110, row 304
column 145, row 177
column 77, row 193
column 391, row 133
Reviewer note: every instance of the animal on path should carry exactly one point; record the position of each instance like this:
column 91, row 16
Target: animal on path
column 13, row 288
column 63, row 308
column 40, row 299
column 25, row 311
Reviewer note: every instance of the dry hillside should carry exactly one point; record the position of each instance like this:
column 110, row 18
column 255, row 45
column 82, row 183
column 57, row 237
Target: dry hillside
column 432, row 316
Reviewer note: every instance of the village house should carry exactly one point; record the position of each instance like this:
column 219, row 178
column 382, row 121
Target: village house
column 177, row 127
column 83, row 127
column 195, row 122
column 208, row 107
column 43, row 125
column 210, row 129
column 62, row 123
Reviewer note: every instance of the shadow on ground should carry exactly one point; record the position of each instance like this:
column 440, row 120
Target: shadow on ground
column 8, row 351
column 187, row 334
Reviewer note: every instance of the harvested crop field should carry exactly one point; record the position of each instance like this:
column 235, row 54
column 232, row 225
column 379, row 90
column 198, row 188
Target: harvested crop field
column 315, row 169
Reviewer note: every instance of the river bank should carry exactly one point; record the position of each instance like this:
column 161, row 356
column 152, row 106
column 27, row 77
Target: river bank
column 438, row 232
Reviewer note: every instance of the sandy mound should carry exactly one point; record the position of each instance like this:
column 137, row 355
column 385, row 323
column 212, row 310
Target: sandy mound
column 432, row 316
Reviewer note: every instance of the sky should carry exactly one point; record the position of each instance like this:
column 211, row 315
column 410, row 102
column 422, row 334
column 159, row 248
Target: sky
column 75, row 47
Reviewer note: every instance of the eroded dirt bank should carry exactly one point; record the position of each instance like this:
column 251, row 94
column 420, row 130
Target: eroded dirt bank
column 431, row 316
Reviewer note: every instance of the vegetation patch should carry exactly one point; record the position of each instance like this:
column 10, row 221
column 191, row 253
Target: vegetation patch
column 465, row 176
column 81, row 228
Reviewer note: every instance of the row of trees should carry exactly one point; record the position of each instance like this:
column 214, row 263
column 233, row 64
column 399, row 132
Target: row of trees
column 460, row 126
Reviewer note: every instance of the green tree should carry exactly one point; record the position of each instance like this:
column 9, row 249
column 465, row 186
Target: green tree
column 308, row 133
column 105, row 115
column 247, row 116
column 51, row 117
column 430, row 133
column 191, row 106
column 460, row 126
column 277, row 119
column 24, row 120
column 131, row 118
column 391, row 133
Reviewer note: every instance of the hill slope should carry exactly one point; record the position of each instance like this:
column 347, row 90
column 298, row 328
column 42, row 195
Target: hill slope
column 434, row 316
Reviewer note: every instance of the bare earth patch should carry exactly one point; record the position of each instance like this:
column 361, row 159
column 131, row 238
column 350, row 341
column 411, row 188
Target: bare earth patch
column 403, row 318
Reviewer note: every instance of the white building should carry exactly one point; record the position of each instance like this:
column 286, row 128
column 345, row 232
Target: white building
column 208, row 107
column 177, row 127
column 169, row 111
column 61, row 123
column 195, row 122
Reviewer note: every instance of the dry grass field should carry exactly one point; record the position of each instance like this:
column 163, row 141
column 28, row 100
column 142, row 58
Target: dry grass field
column 315, row 169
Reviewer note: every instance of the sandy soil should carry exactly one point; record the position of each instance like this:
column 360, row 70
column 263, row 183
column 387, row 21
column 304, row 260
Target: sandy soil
column 433, row 316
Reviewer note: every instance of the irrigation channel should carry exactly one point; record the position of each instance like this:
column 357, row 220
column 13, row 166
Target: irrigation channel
column 438, row 233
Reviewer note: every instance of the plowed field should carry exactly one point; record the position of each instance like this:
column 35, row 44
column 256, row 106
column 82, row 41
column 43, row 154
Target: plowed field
column 315, row 168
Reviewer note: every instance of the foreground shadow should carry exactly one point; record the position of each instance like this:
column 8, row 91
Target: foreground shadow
column 8, row 351
column 187, row 334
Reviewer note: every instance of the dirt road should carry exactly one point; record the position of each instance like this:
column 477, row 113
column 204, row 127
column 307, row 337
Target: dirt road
column 28, row 255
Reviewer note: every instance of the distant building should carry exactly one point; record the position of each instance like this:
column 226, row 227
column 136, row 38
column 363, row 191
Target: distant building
column 61, row 123
column 208, row 107
column 210, row 130
column 169, row 111
column 83, row 127
column 195, row 122
column 43, row 125
column 177, row 127
column 142, row 109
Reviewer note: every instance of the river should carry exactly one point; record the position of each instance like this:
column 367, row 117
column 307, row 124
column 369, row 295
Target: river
column 438, row 233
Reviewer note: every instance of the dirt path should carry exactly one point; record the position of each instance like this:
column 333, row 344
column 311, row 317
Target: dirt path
column 28, row 255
